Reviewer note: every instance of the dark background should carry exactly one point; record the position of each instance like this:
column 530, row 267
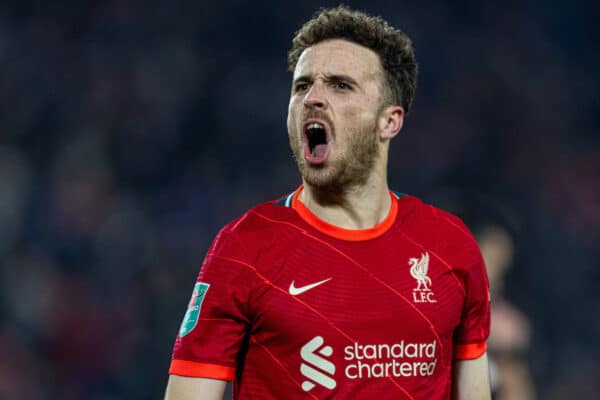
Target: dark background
column 131, row 131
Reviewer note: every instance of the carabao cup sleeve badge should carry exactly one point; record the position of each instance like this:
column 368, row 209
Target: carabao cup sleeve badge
column 190, row 320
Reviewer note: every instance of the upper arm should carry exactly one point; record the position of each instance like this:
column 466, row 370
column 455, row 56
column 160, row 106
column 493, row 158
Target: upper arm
column 186, row 388
column 216, row 322
column 471, row 379
column 470, row 370
column 218, row 316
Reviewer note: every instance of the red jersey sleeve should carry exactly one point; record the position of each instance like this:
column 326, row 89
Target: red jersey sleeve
column 471, row 335
column 216, row 322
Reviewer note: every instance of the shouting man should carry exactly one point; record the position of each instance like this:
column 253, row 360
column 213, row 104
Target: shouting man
column 342, row 289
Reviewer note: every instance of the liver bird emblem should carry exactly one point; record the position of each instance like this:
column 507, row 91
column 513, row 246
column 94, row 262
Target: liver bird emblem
column 418, row 270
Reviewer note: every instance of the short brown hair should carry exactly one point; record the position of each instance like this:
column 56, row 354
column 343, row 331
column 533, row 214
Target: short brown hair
column 393, row 47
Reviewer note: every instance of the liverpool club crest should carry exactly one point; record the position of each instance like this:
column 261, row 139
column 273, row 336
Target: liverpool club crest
column 418, row 270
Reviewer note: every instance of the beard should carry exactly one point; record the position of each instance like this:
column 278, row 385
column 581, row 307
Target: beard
column 350, row 166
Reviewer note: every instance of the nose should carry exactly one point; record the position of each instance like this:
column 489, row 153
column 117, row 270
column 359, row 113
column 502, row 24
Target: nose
column 315, row 97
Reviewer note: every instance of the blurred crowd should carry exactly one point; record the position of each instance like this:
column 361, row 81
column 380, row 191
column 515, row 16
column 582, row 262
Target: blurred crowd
column 131, row 131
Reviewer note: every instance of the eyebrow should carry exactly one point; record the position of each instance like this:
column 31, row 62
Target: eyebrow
column 328, row 78
column 342, row 78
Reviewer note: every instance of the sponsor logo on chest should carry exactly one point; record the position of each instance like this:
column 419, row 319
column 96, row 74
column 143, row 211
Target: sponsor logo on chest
column 418, row 270
column 366, row 361
column 316, row 367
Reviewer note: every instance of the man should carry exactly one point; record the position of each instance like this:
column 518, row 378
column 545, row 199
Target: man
column 342, row 289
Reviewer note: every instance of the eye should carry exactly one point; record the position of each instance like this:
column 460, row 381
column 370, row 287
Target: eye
column 301, row 87
column 342, row 86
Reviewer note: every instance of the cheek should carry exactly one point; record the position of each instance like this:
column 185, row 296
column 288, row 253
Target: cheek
column 292, row 112
column 354, row 116
column 290, row 117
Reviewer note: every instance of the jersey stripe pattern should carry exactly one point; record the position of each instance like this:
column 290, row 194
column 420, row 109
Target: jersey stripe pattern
column 300, row 309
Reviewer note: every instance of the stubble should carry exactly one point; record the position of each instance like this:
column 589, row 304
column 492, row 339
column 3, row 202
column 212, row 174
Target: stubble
column 350, row 167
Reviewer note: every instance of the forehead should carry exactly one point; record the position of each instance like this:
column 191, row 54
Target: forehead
column 339, row 56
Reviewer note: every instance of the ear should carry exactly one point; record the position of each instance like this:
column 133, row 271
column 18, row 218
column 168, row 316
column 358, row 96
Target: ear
column 390, row 122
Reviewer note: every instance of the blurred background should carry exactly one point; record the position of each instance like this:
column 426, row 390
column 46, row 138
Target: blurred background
column 131, row 131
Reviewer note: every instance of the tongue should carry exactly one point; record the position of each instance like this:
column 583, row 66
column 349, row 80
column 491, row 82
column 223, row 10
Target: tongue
column 319, row 150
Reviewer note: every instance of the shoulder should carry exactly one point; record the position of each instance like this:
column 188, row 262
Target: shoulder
column 437, row 229
column 422, row 212
column 257, row 227
column 266, row 216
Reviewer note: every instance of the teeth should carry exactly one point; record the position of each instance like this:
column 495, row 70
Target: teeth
column 315, row 125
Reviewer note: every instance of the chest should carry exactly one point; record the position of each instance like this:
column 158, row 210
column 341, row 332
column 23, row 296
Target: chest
column 383, row 291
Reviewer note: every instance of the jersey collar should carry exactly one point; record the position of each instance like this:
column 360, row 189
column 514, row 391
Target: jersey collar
column 352, row 235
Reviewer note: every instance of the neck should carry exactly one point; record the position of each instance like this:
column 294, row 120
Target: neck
column 354, row 207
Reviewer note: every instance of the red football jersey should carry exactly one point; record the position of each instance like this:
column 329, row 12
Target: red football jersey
column 291, row 307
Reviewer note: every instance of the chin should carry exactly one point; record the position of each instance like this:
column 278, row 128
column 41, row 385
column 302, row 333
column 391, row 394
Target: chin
column 324, row 178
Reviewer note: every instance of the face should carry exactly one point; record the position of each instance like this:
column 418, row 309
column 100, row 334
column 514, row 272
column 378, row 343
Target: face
column 333, row 113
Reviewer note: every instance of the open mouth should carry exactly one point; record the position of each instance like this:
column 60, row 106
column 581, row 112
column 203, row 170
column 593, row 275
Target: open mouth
column 316, row 146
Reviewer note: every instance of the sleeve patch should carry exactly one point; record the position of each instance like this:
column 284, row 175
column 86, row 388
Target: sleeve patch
column 190, row 320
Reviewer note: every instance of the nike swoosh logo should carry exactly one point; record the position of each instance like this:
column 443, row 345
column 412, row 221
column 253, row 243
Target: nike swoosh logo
column 294, row 291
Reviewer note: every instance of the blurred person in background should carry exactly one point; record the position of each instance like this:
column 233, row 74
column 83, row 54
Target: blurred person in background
column 496, row 229
column 509, row 341
column 342, row 288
